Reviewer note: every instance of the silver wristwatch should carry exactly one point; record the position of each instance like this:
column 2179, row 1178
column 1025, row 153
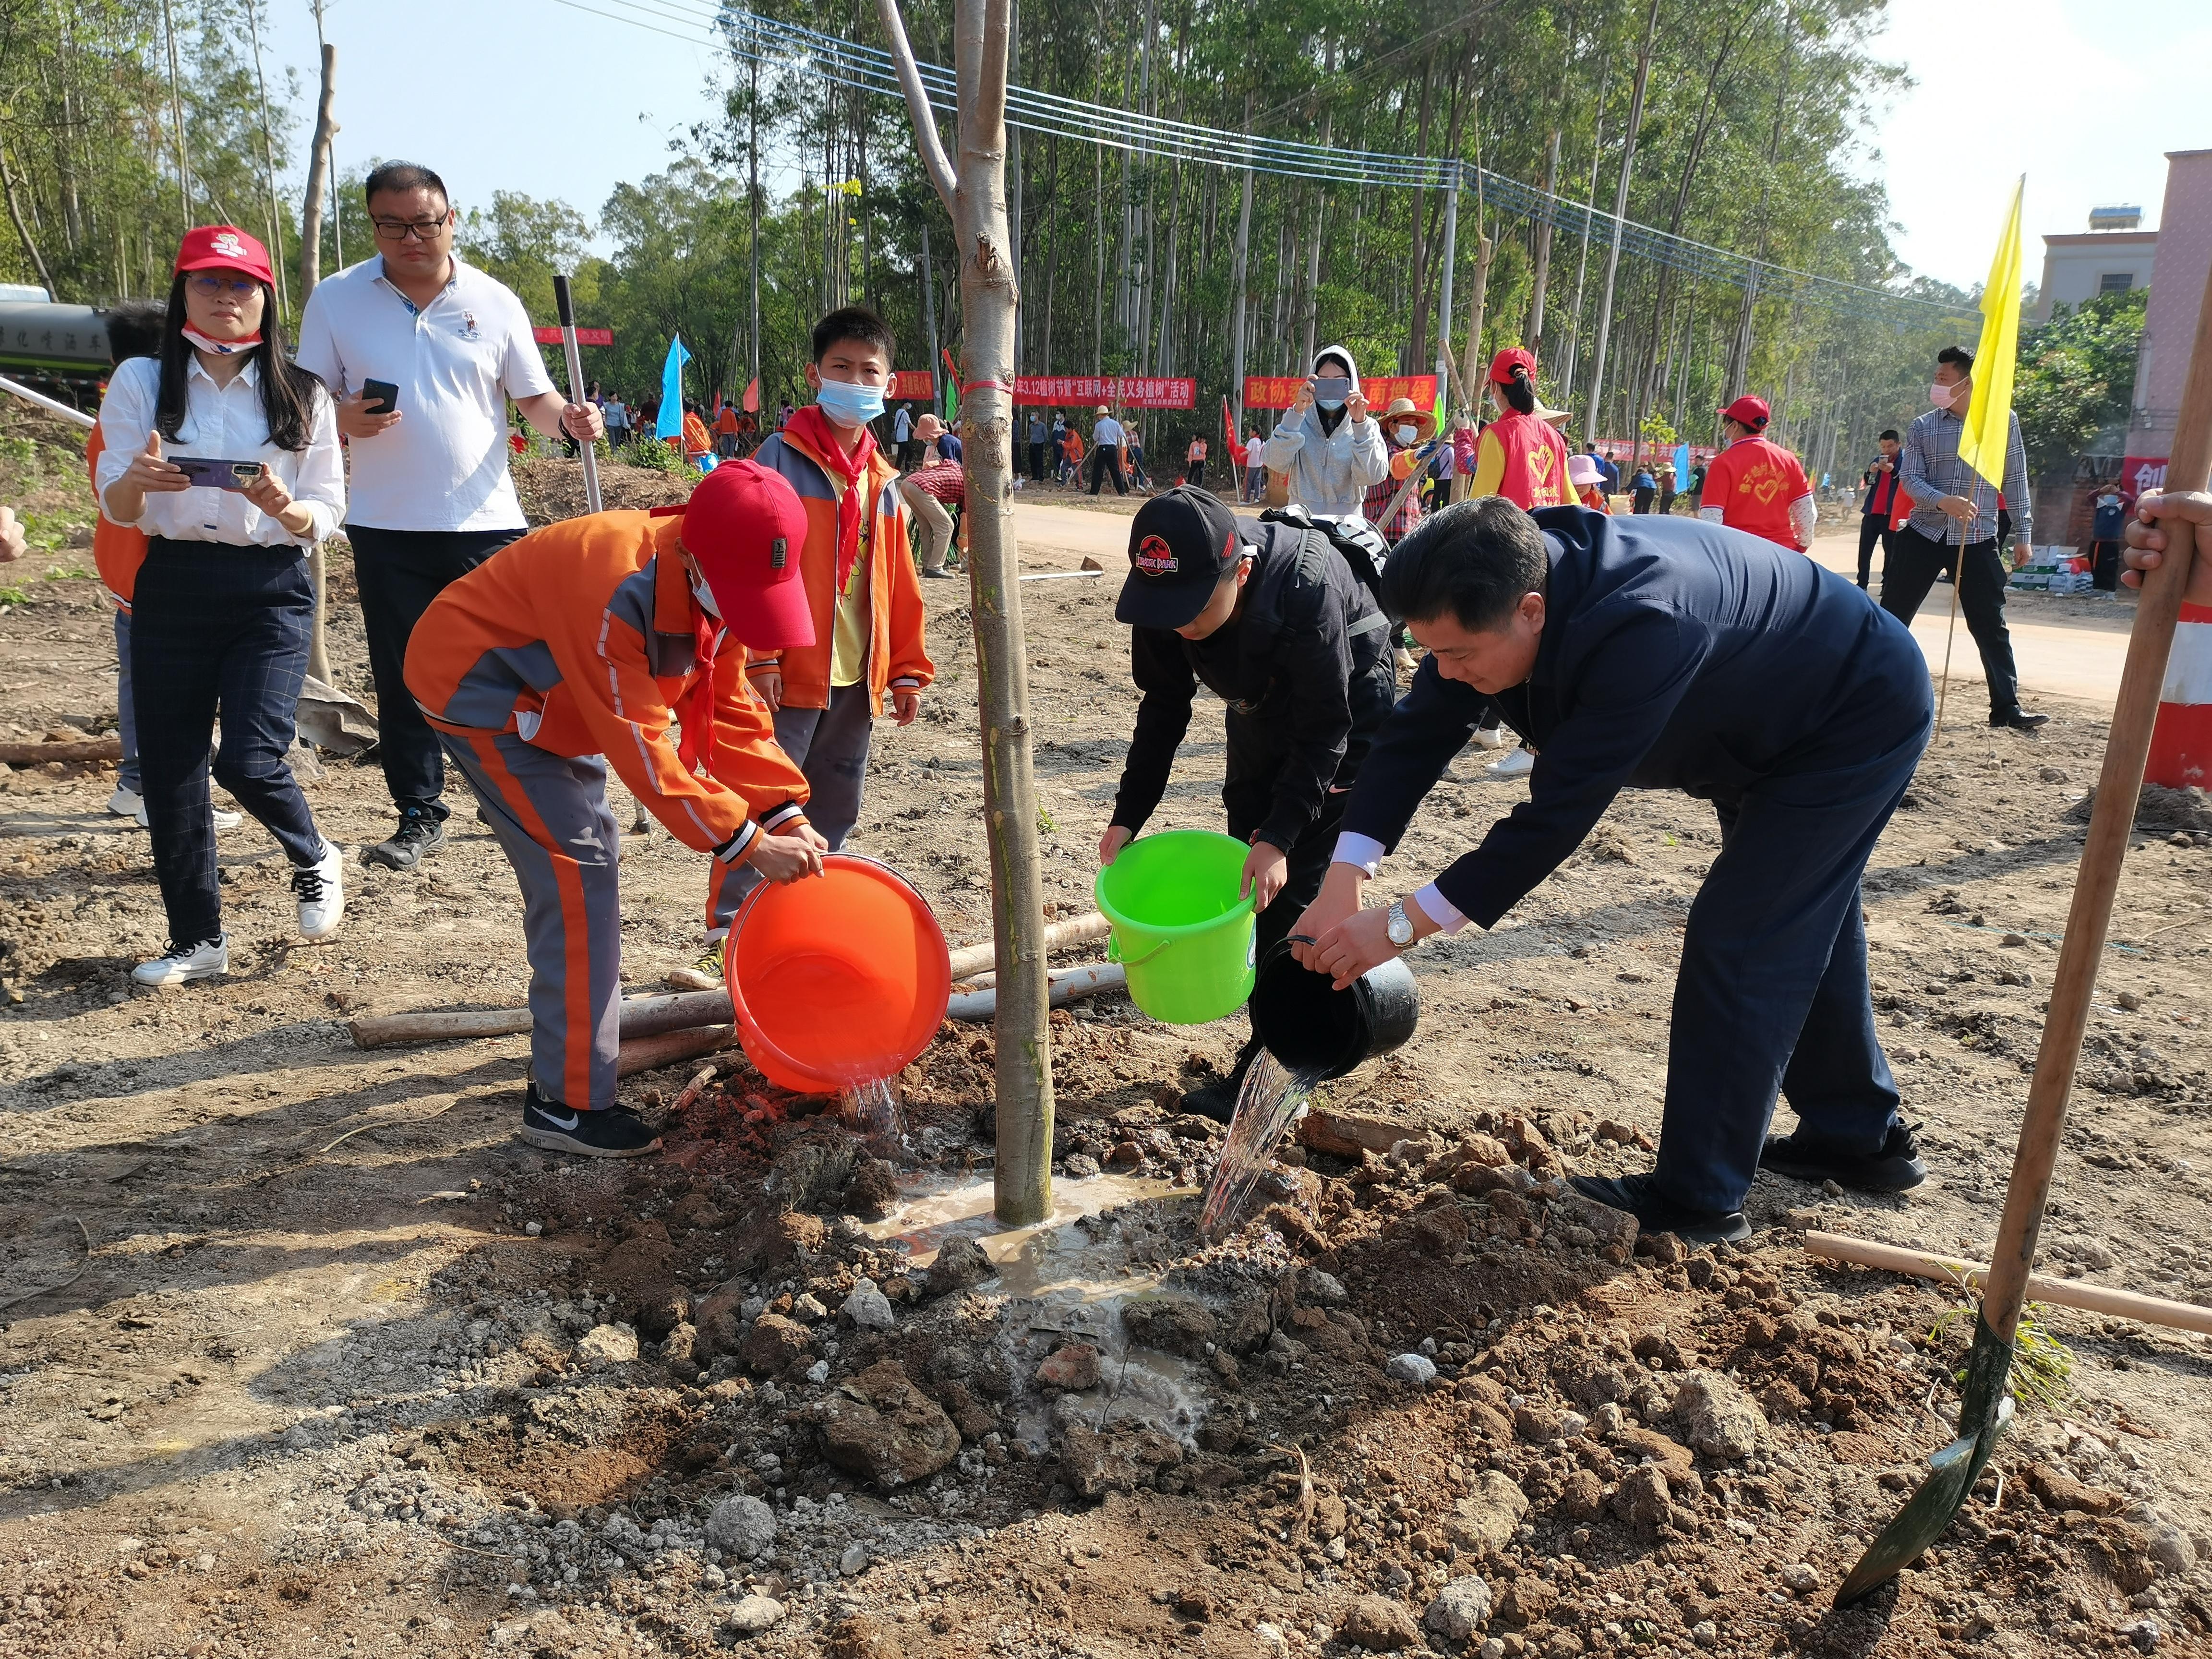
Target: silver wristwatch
column 1399, row 926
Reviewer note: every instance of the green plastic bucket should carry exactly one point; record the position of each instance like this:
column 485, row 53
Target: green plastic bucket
column 1178, row 925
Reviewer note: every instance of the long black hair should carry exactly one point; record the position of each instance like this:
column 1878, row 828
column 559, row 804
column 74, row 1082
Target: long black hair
column 1520, row 392
column 288, row 391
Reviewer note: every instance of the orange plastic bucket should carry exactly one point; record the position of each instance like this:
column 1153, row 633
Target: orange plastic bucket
column 838, row 979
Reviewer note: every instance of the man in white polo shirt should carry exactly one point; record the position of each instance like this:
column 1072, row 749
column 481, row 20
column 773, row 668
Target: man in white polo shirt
column 428, row 497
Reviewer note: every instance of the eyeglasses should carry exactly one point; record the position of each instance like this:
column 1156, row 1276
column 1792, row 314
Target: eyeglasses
column 209, row 288
column 419, row 230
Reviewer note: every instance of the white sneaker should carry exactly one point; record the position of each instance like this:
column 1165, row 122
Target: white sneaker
column 137, row 810
column 321, row 888
column 182, row 963
column 127, row 804
column 1490, row 736
column 1518, row 764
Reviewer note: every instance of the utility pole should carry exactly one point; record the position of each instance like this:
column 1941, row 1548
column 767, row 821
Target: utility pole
column 753, row 238
column 1239, row 268
column 1445, row 289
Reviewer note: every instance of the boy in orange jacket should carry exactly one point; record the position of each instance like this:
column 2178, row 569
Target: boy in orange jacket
column 861, row 584
column 577, row 646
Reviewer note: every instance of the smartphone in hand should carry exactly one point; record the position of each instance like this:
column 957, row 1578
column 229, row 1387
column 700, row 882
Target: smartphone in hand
column 208, row 473
column 378, row 397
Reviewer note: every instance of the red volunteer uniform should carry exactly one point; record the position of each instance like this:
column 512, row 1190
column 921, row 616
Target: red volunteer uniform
column 1752, row 482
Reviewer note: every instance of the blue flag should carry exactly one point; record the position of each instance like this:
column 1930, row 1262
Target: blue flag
column 1681, row 466
column 670, row 423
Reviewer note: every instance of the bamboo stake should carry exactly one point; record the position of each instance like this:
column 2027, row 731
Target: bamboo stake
column 1970, row 1275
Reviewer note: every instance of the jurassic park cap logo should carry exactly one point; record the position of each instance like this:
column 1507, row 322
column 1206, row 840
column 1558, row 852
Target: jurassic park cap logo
column 1156, row 558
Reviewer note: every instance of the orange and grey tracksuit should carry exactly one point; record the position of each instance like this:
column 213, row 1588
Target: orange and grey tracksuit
column 827, row 728
column 571, row 648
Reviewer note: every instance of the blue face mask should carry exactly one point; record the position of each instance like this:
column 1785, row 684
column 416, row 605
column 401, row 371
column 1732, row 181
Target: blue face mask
column 850, row 405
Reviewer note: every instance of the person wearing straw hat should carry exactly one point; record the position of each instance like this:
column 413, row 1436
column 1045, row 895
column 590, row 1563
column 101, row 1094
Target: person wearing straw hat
column 1405, row 429
column 223, row 611
column 1270, row 618
column 574, row 649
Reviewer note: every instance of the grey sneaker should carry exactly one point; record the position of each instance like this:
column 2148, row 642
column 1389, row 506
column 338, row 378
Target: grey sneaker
column 181, row 963
column 420, row 833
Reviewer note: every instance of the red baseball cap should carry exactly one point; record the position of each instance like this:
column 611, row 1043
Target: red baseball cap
column 745, row 526
column 1502, row 365
column 1749, row 411
column 223, row 247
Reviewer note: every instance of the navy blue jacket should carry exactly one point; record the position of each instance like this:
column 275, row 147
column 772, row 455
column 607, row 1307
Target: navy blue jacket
column 1676, row 654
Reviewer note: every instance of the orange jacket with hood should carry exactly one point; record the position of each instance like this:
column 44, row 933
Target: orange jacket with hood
column 896, row 658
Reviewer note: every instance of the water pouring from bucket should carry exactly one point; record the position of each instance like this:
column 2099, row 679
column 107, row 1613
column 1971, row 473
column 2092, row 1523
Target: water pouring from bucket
column 837, row 983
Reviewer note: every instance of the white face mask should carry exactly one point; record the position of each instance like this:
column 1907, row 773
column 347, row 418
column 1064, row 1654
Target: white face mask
column 701, row 592
column 1407, row 434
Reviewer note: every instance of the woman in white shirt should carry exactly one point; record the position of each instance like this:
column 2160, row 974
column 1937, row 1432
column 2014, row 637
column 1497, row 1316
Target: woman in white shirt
column 223, row 611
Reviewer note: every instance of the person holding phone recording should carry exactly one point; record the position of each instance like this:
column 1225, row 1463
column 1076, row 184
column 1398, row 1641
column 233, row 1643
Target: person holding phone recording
column 226, row 454
column 424, row 353
column 1331, row 451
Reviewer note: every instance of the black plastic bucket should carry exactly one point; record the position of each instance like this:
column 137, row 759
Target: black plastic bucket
column 1309, row 1026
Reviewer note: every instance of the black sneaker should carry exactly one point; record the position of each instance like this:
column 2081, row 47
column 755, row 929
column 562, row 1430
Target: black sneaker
column 2020, row 720
column 1218, row 1099
column 1639, row 1195
column 421, row 832
column 615, row 1131
column 1896, row 1168
column 938, row 575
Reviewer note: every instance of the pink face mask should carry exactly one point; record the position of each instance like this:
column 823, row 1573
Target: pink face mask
column 1940, row 395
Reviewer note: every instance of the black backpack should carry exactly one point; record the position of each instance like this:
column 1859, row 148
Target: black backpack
column 1357, row 541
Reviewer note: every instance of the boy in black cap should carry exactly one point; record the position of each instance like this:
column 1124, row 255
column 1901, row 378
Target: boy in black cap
column 1271, row 619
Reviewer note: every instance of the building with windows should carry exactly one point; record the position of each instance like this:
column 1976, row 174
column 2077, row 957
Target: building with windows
column 2111, row 257
column 2184, row 263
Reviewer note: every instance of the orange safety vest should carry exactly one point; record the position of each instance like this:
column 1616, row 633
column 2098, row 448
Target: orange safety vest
column 1535, row 461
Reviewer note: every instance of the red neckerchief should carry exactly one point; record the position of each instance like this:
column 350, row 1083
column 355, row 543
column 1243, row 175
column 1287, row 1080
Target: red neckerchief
column 811, row 424
column 696, row 739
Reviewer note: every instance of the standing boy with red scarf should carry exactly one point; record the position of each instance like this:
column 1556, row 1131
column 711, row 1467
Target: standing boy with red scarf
column 861, row 582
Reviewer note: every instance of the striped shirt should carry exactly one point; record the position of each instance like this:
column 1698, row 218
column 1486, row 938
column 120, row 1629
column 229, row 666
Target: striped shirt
column 1930, row 468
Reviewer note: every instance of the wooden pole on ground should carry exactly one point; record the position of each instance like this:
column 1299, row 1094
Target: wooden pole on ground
column 975, row 196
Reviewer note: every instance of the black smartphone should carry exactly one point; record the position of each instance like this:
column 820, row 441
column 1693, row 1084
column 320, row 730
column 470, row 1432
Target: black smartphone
column 379, row 397
column 208, row 473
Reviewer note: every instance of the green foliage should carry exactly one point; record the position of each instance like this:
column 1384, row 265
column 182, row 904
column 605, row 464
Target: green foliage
column 2076, row 378
column 652, row 453
column 12, row 596
column 2042, row 1376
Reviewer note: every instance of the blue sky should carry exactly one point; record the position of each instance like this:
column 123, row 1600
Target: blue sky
column 535, row 96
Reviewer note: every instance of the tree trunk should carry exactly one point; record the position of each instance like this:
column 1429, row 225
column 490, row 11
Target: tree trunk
column 268, row 158
column 1739, row 363
column 1239, row 266
column 976, row 197
column 23, row 230
column 1620, row 209
column 1418, row 340
column 177, row 113
column 1542, row 273
column 929, row 324
column 319, row 178
column 752, row 237
column 1582, row 260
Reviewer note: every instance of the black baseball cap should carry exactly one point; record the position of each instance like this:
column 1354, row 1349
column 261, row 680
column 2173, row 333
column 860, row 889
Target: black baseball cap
column 1180, row 545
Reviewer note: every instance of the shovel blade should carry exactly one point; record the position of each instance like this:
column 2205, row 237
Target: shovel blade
column 1984, row 1411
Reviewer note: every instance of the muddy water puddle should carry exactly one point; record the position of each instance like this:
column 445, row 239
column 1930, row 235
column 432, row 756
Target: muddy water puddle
column 1109, row 1241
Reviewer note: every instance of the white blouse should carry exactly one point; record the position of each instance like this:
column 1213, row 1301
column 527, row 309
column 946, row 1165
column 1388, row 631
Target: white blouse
column 221, row 423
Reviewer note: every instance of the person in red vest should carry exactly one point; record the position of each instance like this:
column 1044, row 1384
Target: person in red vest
column 1520, row 455
column 1754, row 484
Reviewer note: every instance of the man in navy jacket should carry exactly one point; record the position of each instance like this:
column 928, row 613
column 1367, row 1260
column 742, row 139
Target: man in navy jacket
column 1671, row 655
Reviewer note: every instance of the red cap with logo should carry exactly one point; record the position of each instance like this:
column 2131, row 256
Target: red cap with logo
column 223, row 247
column 1502, row 365
column 1749, row 411
column 745, row 526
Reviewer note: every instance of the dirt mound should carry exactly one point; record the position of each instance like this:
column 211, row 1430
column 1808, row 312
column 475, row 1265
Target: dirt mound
column 552, row 487
column 2159, row 809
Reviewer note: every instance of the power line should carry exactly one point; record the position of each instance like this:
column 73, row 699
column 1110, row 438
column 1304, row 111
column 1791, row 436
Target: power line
column 791, row 47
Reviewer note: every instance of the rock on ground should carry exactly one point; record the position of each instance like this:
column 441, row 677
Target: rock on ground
column 754, row 1614
column 958, row 1265
column 1120, row 1459
column 608, row 1345
column 868, row 1307
column 773, row 1343
column 1719, row 1418
column 1461, row 1608
column 1381, row 1625
column 1074, row 1367
column 1173, row 1324
column 878, row 1425
column 743, row 1526
column 1416, row 1370
column 1487, row 1517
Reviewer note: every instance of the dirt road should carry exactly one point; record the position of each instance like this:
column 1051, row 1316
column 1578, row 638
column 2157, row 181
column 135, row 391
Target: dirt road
column 347, row 1370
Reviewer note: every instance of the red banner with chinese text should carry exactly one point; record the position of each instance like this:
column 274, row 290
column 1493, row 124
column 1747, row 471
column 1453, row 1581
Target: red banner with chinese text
column 1118, row 390
column 1281, row 391
column 913, row 383
column 595, row 336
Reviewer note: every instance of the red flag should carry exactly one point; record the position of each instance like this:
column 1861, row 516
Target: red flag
column 752, row 397
column 1229, row 427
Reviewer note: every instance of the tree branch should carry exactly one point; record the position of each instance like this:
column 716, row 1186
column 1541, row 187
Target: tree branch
column 23, row 231
column 933, row 159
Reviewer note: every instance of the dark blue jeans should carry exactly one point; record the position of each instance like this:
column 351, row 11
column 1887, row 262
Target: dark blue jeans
column 1773, row 996
column 217, row 630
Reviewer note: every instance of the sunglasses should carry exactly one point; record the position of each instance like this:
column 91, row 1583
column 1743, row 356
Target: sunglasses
column 209, row 287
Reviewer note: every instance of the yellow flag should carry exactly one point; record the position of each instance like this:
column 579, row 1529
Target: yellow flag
column 1988, row 434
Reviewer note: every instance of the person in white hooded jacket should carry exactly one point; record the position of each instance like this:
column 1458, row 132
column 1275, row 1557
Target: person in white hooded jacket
column 1327, row 444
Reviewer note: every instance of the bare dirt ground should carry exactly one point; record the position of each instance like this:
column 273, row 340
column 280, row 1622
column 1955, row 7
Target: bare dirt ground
column 345, row 1369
